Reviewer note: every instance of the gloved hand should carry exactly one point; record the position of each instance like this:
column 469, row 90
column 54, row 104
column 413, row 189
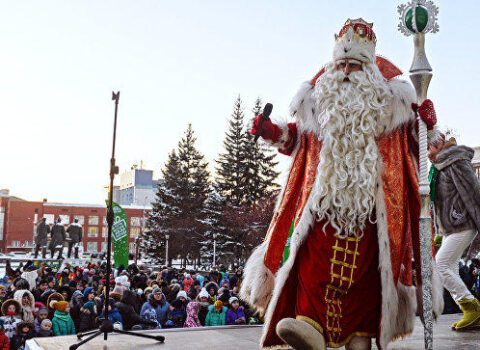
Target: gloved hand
column 426, row 112
column 266, row 129
column 151, row 323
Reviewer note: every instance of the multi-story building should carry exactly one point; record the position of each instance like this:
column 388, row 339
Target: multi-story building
column 19, row 218
column 137, row 187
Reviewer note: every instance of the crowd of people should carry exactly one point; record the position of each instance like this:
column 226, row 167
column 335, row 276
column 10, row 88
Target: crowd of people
column 44, row 301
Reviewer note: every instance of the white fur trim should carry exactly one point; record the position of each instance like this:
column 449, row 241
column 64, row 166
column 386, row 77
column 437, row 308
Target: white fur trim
column 401, row 106
column 258, row 280
column 389, row 316
column 298, row 237
column 302, row 108
column 407, row 305
column 347, row 46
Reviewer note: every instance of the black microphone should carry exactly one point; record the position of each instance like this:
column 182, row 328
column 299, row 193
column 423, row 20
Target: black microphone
column 267, row 110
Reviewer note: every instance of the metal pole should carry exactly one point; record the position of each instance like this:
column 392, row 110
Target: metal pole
column 417, row 18
column 166, row 250
column 113, row 171
column 214, row 248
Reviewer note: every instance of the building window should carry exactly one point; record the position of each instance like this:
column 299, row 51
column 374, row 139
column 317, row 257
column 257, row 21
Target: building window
column 80, row 218
column 135, row 221
column 93, row 220
column 16, row 244
column 134, row 232
column 104, row 246
column 93, row 231
column 104, row 231
column 65, row 219
column 92, row 247
column 131, row 247
column 104, row 221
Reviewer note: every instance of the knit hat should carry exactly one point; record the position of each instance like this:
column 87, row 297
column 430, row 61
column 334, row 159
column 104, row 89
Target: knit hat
column 2, row 287
column 232, row 300
column 59, row 305
column 147, row 290
column 218, row 304
column 46, row 321
column 89, row 306
column 203, row 293
column 182, row 293
column 43, row 310
column 158, row 290
column 54, row 297
column 87, row 291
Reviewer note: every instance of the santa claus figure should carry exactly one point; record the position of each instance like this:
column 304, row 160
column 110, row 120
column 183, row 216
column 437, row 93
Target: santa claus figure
column 352, row 194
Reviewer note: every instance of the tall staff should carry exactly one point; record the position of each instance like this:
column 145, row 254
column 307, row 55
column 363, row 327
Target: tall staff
column 417, row 18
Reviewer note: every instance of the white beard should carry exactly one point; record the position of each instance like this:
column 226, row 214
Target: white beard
column 344, row 195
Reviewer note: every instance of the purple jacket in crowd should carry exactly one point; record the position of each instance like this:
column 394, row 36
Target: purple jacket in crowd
column 233, row 315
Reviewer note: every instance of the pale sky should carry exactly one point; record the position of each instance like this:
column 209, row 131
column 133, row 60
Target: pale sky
column 177, row 62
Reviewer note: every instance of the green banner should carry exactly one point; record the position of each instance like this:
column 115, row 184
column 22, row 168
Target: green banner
column 286, row 251
column 119, row 236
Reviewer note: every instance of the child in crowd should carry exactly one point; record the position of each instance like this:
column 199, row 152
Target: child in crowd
column 41, row 315
column 4, row 342
column 46, row 329
column 192, row 315
column 87, row 316
column 177, row 316
column 26, row 300
column 113, row 314
column 25, row 330
column 62, row 323
column 11, row 312
column 216, row 314
column 235, row 314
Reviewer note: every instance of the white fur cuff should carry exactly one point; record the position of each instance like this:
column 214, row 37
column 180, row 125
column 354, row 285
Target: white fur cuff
column 258, row 282
column 284, row 138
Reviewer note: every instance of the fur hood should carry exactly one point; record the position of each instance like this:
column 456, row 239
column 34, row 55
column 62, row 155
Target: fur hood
column 18, row 295
column 450, row 155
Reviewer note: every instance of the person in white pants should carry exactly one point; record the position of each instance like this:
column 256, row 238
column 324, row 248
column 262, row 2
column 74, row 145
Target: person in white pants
column 456, row 192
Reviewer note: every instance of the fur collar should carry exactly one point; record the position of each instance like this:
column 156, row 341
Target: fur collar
column 303, row 107
column 450, row 155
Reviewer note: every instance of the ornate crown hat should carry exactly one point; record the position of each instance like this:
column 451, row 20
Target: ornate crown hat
column 355, row 40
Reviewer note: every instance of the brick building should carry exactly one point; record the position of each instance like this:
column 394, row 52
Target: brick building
column 18, row 220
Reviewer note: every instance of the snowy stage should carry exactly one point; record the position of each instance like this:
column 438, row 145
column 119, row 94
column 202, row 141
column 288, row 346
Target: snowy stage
column 246, row 337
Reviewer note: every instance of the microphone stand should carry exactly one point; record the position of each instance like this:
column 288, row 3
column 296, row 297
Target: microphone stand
column 107, row 325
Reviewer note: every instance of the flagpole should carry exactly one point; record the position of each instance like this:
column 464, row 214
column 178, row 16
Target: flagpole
column 417, row 18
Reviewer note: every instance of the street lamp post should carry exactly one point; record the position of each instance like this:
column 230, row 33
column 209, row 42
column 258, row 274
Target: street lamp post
column 166, row 249
column 214, row 248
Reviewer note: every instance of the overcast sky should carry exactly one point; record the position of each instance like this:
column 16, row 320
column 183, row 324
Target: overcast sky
column 177, row 62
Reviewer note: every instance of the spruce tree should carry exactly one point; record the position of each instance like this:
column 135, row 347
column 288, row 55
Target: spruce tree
column 178, row 208
column 230, row 170
column 165, row 210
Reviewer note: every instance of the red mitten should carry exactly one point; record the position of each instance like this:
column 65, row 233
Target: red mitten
column 266, row 129
column 427, row 113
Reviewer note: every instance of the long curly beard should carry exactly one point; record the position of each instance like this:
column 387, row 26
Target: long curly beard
column 344, row 195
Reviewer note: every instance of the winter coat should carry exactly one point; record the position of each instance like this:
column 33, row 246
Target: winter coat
column 161, row 309
column 62, row 324
column 58, row 235
column 87, row 319
column 43, row 229
column 176, row 319
column 203, row 311
column 457, row 191
column 150, row 315
column 18, row 340
column 192, row 317
column 10, row 324
column 4, row 342
column 215, row 318
column 43, row 333
column 187, row 283
column 75, row 304
column 27, row 310
column 113, row 315
column 76, row 232
column 233, row 315
column 129, row 316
